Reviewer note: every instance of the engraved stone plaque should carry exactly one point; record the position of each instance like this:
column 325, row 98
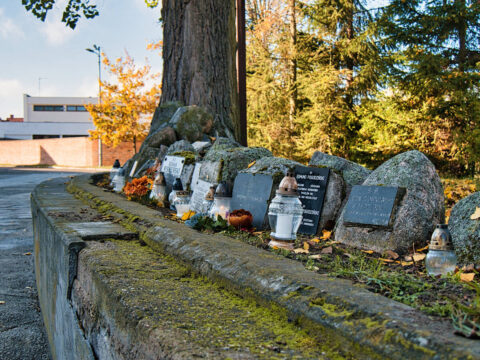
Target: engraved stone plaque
column 312, row 185
column 372, row 206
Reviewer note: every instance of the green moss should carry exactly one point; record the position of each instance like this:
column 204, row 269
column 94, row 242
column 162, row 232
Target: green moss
column 165, row 294
column 188, row 155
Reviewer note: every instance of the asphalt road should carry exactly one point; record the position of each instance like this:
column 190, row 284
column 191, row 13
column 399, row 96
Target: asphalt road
column 22, row 335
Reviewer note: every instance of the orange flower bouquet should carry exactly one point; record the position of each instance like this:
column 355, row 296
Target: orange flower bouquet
column 138, row 188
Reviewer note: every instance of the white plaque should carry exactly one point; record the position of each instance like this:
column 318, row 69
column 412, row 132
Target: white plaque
column 172, row 165
column 201, row 189
column 134, row 167
column 196, row 174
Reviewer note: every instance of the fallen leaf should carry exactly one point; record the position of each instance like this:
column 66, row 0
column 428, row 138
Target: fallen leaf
column 386, row 260
column 275, row 247
column 327, row 250
column 467, row 277
column 468, row 268
column 306, row 245
column 315, row 240
column 406, row 263
column 326, row 234
column 212, row 138
column 476, row 214
column 315, row 257
column 257, row 233
column 408, row 258
column 300, row 251
column 418, row 257
column 312, row 243
column 251, row 164
column 27, row 253
column 188, row 215
column 368, row 251
column 2, row 302
column 423, row 249
column 392, row 254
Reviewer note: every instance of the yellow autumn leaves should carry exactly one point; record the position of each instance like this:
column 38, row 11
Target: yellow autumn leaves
column 126, row 104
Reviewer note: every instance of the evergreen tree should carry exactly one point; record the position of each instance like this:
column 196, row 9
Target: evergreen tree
column 434, row 56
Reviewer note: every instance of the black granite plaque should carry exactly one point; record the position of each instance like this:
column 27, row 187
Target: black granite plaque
column 372, row 206
column 252, row 192
column 312, row 185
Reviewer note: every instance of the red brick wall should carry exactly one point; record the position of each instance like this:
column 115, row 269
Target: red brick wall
column 122, row 152
column 81, row 151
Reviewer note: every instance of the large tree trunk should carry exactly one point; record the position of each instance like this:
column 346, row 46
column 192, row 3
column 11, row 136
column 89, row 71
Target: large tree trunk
column 199, row 46
column 293, row 63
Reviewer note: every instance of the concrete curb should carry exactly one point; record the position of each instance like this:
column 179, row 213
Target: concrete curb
column 373, row 323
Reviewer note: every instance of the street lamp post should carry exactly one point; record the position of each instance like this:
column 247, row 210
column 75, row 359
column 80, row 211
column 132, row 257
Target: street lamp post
column 97, row 51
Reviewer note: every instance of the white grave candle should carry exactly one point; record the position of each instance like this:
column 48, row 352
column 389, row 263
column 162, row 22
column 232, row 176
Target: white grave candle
column 284, row 226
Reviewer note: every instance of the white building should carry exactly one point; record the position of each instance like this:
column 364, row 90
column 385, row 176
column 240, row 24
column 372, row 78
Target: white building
column 50, row 117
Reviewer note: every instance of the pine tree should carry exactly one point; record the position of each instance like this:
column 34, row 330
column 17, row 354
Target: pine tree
column 434, row 56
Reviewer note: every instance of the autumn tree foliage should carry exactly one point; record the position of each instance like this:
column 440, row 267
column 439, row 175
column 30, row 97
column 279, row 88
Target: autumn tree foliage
column 126, row 104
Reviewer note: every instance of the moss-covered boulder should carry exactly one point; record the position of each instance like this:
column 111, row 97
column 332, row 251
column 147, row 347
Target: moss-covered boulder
column 233, row 160
column 353, row 173
column 421, row 208
column 276, row 167
column 165, row 136
column 180, row 146
column 163, row 114
column 192, row 123
column 465, row 230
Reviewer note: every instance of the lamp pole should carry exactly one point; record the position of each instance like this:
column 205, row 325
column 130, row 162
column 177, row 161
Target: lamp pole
column 97, row 51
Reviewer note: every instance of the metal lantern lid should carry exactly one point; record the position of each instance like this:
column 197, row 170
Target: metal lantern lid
column 210, row 194
column 223, row 190
column 160, row 179
column 177, row 185
column 288, row 186
column 121, row 172
column 441, row 239
column 116, row 164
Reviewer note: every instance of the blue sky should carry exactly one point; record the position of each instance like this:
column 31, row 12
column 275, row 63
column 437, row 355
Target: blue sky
column 31, row 49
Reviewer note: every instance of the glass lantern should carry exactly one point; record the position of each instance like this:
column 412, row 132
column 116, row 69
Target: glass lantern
column 159, row 189
column 441, row 258
column 221, row 202
column 119, row 180
column 285, row 211
column 182, row 203
column 208, row 201
column 114, row 170
column 177, row 186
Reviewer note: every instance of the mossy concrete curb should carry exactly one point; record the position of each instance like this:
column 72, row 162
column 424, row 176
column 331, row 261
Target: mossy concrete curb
column 371, row 322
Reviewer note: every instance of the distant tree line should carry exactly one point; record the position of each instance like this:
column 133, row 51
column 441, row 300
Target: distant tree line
column 362, row 79
column 365, row 82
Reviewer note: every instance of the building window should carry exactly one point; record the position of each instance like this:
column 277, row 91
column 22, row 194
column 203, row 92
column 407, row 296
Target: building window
column 76, row 108
column 48, row 108
column 36, row 137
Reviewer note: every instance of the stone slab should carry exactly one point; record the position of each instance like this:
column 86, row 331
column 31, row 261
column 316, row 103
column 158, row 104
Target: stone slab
column 99, row 230
column 312, row 186
column 252, row 192
column 372, row 206
column 198, row 195
column 172, row 167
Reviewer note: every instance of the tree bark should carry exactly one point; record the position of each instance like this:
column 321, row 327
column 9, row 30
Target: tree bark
column 293, row 63
column 199, row 46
